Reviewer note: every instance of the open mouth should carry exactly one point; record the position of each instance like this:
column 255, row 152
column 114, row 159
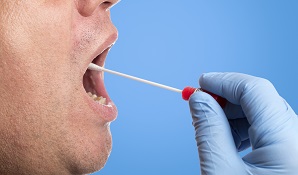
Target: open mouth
column 93, row 81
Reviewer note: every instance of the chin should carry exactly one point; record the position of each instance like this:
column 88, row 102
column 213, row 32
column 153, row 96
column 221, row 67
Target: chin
column 94, row 155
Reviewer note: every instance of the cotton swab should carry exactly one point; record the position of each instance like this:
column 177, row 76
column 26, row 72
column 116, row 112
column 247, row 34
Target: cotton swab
column 98, row 68
column 186, row 92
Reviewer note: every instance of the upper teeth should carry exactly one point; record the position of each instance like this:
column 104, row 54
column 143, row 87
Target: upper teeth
column 100, row 99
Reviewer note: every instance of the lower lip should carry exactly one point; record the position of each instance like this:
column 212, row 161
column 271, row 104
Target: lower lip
column 107, row 112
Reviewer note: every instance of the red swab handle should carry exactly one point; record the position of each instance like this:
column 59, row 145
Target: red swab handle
column 188, row 91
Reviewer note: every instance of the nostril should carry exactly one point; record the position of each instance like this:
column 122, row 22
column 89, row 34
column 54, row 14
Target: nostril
column 87, row 7
column 107, row 5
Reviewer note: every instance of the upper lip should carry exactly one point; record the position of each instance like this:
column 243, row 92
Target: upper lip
column 105, row 46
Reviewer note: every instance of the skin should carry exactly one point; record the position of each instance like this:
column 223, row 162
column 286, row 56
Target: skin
column 46, row 127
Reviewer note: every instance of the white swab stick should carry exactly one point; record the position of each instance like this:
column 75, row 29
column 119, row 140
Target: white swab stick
column 99, row 68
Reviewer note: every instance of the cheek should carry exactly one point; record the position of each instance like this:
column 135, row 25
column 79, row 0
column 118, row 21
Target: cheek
column 38, row 40
column 38, row 44
column 50, row 34
column 36, row 56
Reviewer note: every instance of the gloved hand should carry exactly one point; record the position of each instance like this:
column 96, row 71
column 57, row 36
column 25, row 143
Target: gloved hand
column 254, row 116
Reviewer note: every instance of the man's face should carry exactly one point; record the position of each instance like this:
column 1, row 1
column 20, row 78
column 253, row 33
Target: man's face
column 48, row 121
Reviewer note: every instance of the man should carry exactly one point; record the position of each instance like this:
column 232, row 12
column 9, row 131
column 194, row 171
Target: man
column 49, row 124
column 55, row 114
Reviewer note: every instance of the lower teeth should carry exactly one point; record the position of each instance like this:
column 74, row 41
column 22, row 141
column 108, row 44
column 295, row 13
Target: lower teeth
column 100, row 99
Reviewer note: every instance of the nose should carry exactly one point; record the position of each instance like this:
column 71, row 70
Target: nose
column 87, row 7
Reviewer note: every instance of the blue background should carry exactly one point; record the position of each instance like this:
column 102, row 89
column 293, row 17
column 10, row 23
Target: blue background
column 174, row 42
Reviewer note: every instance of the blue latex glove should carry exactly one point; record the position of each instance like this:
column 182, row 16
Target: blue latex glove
column 254, row 116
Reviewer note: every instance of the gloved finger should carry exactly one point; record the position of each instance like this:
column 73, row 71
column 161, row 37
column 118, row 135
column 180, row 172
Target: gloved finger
column 239, row 129
column 215, row 143
column 239, row 125
column 233, row 111
column 264, row 108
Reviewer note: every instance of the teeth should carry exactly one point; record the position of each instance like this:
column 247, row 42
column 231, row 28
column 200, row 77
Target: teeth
column 100, row 99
